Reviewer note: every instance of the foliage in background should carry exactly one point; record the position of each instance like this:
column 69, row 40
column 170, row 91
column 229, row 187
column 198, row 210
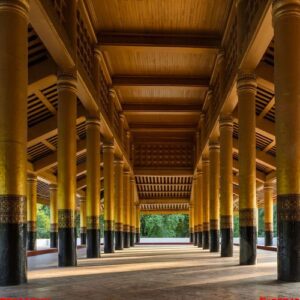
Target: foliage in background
column 43, row 221
column 164, row 225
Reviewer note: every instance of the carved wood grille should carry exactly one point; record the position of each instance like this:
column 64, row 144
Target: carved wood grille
column 171, row 155
column 104, row 99
column 165, row 206
column 60, row 7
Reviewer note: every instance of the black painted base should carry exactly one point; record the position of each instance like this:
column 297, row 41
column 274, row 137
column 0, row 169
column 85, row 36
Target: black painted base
column 199, row 239
column 109, row 237
column 226, row 242
column 191, row 237
column 137, row 238
column 132, row 239
column 289, row 251
column 67, row 247
column 83, row 238
column 119, row 240
column 53, row 239
column 195, row 239
column 205, row 239
column 126, row 241
column 93, row 243
column 248, row 241
column 13, row 260
column 31, row 240
column 268, row 238
column 214, row 245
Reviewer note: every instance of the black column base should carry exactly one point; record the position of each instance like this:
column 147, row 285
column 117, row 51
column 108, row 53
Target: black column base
column 53, row 239
column 126, row 241
column 137, row 238
column 248, row 241
column 83, row 238
column 109, row 236
column 226, row 242
column 93, row 243
column 119, row 240
column 214, row 245
column 199, row 239
column 205, row 239
column 31, row 240
column 132, row 239
column 289, row 250
column 268, row 238
column 195, row 239
column 191, row 237
column 67, row 247
column 13, row 262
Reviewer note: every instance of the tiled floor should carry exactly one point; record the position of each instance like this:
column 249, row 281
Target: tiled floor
column 154, row 272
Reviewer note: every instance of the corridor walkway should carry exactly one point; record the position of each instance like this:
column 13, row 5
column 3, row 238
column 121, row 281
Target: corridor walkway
column 154, row 272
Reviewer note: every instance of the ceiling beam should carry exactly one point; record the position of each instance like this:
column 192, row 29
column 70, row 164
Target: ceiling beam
column 140, row 127
column 160, row 81
column 204, row 42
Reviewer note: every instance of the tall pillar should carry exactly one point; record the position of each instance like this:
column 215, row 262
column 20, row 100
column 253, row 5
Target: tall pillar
column 195, row 210
column 83, row 221
column 53, row 216
column 246, row 89
column 226, row 188
column 200, row 206
column 126, row 226
column 132, row 214
column 67, row 107
column 214, row 188
column 31, row 211
column 109, row 201
column 119, row 203
column 13, row 140
column 93, row 187
column 268, row 205
column 205, row 195
column 286, row 22
column 137, row 223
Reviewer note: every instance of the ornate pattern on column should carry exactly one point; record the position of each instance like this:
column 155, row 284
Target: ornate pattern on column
column 205, row 232
column 53, row 216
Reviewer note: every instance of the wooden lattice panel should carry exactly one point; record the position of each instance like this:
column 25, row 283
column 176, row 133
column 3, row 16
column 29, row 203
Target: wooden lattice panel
column 165, row 206
column 163, row 155
column 60, row 7
column 43, row 190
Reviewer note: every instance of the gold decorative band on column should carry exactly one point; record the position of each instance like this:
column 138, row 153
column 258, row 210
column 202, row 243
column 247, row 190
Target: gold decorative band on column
column 66, row 218
column 226, row 222
column 288, row 207
column 269, row 226
column 82, row 229
column 246, row 83
column 205, row 226
column 214, row 146
column 53, row 227
column 109, row 225
column 132, row 229
column 214, row 224
column 118, row 226
column 248, row 217
column 226, row 122
column 19, row 6
column 191, row 230
column 200, row 227
column 126, row 228
column 92, row 222
column 31, row 226
column 285, row 8
column 13, row 209
column 137, row 230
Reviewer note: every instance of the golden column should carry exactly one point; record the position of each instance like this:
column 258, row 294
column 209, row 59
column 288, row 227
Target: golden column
column 200, row 206
column 214, row 199
column 109, row 201
column 226, row 188
column 93, row 188
column 119, row 203
column 132, row 214
column 286, row 22
column 53, row 216
column 195, row 209
column 246, row 89
column 268, row 204
column 13, row 140
column 82, row 220
column 31, row 211
column 67, row 107
column 138, row 222
column 126, row 225
column 205, row 195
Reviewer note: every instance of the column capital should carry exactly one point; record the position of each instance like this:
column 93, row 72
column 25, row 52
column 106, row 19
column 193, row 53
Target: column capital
column 268, row 186
column 210, row 91
column 122, row 116
column 53, row 187
column 126, row 172
column 108, row 146
column 31, row 177
column 67, row 81
column 112, row 93
column 199, row 172
column 19, row 6
column 246, row 82
column 119, row 161
column 226, row 121
column 213, row 145
column 220, row 56
column 93, row 122
column 286, row 8
column 82, row 199
column 205, row 161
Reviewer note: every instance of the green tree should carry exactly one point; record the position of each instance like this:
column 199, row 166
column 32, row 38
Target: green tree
column 43, row 221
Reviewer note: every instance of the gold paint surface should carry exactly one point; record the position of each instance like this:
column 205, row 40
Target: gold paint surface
column 288, row 207
column 53, row 204
column 248, row 217
column 93, row 222
column 12, row 209
column 214, row 224
column 66, row 218
column 109, row 225
column 119, row 192
column 31, row 226
column 31, row 198
column 226, row 222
